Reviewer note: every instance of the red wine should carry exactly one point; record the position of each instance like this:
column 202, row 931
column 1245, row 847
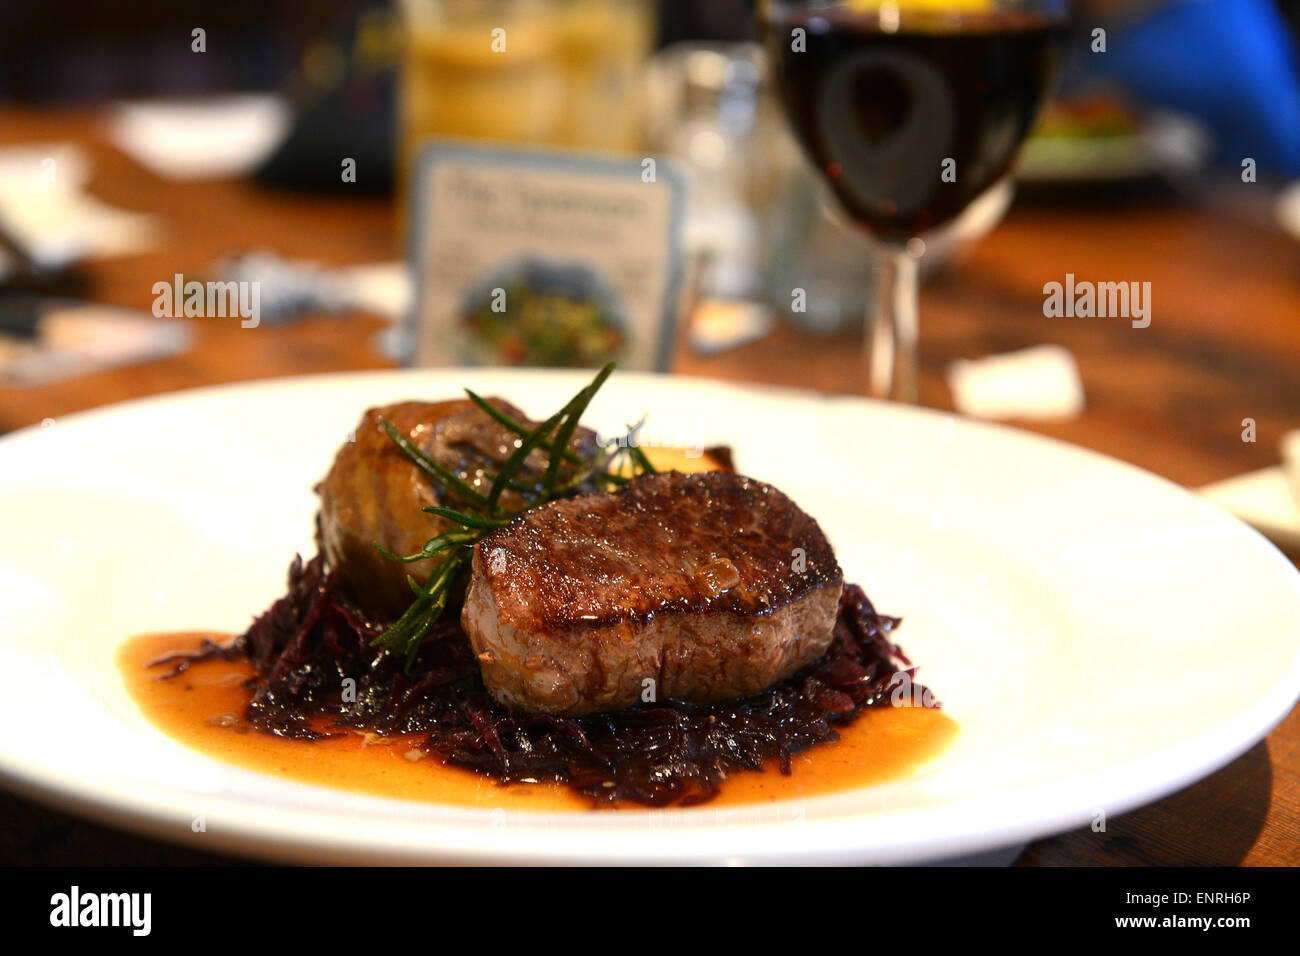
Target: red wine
column 909, row 126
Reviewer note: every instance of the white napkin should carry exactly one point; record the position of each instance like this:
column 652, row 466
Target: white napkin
column 1035, row 384
column 1291, row 462
column 45, row 208
column 718, row 325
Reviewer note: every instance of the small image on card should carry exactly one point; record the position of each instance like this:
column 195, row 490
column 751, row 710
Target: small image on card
column 535, row 258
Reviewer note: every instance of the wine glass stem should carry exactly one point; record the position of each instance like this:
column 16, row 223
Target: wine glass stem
column 892, row 330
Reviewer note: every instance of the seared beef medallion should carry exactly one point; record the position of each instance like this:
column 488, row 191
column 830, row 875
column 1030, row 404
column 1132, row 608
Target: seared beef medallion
column 701, row 587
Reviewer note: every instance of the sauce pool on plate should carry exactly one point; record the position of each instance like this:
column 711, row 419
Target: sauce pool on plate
column 203, row 709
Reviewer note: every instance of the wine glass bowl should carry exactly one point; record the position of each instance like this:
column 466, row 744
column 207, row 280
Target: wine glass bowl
column 910, row 111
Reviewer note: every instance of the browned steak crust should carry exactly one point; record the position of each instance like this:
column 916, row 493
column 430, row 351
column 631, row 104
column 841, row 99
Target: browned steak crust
column 711, row 586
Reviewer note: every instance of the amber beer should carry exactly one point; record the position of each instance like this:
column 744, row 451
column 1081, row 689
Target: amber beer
column 559, row 73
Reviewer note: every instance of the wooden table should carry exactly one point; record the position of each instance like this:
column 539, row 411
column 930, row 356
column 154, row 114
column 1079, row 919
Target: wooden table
column 1223, row 345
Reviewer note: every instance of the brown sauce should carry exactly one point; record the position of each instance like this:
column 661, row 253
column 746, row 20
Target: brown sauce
column 203, row 707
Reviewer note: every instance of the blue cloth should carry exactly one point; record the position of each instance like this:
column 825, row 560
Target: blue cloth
column 1232, row 63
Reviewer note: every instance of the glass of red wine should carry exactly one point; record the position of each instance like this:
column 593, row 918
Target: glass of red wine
column 910, row 111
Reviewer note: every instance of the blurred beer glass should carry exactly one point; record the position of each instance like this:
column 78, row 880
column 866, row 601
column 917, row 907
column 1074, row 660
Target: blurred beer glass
column 563, row 73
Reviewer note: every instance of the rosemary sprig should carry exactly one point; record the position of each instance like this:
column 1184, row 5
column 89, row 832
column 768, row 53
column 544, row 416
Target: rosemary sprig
column 432, row 547
column 518, row 427
column 572, row 412
column 478, row 514
column 515, row 462
column 640, row 462
column 466, row 519
column 430, row 601
column 445, row 477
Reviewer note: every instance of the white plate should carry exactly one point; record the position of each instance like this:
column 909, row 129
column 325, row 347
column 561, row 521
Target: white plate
column 1264, row 500
column 1101, row 636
